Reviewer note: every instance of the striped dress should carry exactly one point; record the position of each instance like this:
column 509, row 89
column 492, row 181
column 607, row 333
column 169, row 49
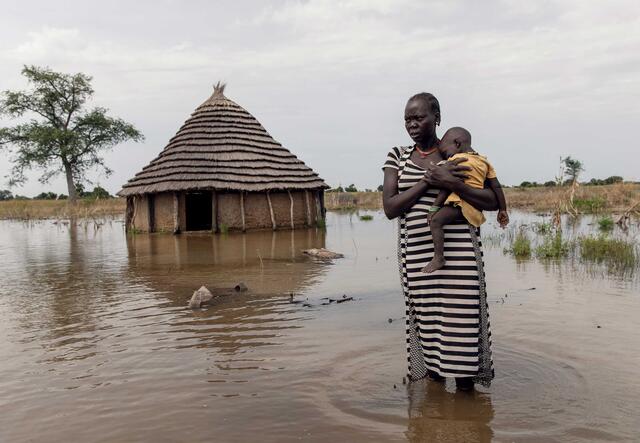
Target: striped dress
column 447, row 323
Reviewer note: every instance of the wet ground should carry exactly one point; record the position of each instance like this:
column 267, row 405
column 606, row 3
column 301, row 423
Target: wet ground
column 98, row 345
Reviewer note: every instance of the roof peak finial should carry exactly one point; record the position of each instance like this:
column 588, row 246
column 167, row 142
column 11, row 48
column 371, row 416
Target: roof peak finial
column 218, row 89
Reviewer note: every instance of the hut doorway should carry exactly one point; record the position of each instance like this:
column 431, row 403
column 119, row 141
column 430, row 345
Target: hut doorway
column 198, row 209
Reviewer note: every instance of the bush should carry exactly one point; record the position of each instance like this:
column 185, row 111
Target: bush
column 380, row 188
column 550, row 183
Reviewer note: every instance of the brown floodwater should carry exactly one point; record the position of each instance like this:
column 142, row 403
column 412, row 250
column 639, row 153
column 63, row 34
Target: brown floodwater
column 98, row 344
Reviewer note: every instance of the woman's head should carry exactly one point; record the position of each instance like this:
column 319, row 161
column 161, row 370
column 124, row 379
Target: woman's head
column 421, row 116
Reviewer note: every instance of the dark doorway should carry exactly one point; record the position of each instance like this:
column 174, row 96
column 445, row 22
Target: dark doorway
column 198, row 211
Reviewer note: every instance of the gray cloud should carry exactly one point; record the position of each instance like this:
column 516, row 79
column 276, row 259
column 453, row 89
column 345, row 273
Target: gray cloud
column 329, row 79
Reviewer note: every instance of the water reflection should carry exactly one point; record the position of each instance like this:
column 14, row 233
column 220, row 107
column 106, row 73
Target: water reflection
column 436, row 414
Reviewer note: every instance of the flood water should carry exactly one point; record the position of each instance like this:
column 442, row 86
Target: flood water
column 97, row 344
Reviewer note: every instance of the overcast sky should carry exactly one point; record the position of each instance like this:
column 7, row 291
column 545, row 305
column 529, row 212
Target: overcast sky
column 531, row 80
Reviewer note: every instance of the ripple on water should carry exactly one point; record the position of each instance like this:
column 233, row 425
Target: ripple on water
column 531, row 391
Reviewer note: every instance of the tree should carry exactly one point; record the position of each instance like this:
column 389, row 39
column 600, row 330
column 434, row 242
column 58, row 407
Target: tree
column 351, row 188
column 99, row 192
column 5, row 194
column 46, row 196
column 380, row 188
column 61, row 137
column 572, row 167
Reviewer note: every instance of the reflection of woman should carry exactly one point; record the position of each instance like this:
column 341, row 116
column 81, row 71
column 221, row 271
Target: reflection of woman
column 447, row 320
column 436, row 415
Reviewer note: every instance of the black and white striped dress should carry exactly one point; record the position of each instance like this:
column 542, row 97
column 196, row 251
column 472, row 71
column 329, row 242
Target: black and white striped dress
column 447, row 321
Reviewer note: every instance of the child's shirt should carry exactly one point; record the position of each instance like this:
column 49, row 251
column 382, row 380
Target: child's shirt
column 480, row 170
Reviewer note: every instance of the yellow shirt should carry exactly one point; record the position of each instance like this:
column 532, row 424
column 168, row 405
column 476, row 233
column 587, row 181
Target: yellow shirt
column 481, row 170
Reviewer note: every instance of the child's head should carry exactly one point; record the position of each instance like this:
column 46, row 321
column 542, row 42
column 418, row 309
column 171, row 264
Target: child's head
column 454, row 141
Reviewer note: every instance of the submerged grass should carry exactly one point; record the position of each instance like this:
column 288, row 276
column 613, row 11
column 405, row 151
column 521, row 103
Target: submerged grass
column 521, row 245
column 606, row 223
column 613, row 252
column 553, row 246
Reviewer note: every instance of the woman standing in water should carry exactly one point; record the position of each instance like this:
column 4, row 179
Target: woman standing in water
column 446, row 311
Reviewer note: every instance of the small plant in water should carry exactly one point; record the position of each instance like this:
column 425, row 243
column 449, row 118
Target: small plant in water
column 366, row 217
column 224, row 229
column 553, row 246
column 321, row 223
column 605, row 224
column 521, row 246
column 543, row 228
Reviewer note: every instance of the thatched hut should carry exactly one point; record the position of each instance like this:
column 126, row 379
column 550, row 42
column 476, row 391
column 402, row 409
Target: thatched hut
column 223, row 171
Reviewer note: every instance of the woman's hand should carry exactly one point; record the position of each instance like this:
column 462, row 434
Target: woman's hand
column 448, row 175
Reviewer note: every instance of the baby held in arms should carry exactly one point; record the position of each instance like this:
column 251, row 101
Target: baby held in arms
column 448, row 207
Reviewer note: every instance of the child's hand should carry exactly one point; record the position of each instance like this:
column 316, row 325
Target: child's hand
column 503, row 218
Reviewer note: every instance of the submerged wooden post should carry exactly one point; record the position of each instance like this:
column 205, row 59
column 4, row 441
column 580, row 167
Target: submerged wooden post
column 291, row 209
column 273, row 218
column 242, row 210
column 308, row 206
column 176, row 213
column 214, row 211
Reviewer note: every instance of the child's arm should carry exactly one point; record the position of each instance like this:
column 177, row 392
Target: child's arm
column 438, row 203
column 503, row 217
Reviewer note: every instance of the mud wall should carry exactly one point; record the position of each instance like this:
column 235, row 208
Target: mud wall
column 140, row 218
column 306, row 211
column 163, row 206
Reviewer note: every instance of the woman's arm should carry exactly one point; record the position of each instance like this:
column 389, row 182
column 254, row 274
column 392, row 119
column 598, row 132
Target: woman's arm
column 395, row 203
column 450, row 176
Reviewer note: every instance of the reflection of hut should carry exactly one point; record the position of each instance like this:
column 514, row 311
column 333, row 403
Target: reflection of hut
column 223, row 170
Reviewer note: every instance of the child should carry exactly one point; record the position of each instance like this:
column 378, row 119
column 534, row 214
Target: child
column 449, row 207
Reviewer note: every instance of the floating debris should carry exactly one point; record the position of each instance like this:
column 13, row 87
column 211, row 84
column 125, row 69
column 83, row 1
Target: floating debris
column 322, row 253
column 240, row 287
column 200, row 297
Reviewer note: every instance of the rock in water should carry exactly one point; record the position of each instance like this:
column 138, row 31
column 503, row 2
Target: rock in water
column 322, row 253
column 199, row 297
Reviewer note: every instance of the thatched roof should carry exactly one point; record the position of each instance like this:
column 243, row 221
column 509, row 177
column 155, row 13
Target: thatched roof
column 222, row 146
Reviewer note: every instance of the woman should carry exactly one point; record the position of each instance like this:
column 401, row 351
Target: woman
column 446, row 311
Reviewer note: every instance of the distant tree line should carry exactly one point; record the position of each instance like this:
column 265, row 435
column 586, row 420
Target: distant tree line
column 97, row 193
column 593, row 182
column 352, row 188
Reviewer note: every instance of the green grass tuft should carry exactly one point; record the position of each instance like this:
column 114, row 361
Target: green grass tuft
column 614, row 252
column 605, row 224
column 521, row 246
column 591, row 204
column 553, row 246
column 366, row 217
